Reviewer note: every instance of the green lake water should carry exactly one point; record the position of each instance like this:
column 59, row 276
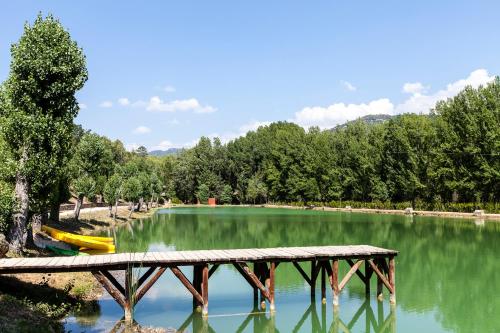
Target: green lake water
column 447, row 273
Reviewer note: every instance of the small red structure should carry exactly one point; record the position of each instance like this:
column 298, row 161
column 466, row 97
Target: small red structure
column 211, row 201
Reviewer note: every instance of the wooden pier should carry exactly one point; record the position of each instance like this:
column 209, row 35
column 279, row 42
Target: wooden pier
column 324, row 263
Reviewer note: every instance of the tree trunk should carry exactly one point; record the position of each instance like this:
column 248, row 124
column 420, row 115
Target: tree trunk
column 18, row 232
column 156, row 205
column 54, row 212
column 110, row 210
column 36, row 222
column 78, row 206
column 116, row 210
column 139, row 205
column 132, row 208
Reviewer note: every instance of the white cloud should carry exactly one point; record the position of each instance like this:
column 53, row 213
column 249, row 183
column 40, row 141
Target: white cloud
column 166, row 144
column 414, row 88
column 169, row 89
column 82, row 106
column 123, row 101
column 419, row 102
column 252, row 126
column 142, row 130
column 106, row 104
column 132, row 146
column 423, row 103
column 348, row 85
column 327, row 117
column 192, row 104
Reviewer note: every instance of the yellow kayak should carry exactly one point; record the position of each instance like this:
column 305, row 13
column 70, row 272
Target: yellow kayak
column 96, row 238
column 86, row 250
column 79, row 240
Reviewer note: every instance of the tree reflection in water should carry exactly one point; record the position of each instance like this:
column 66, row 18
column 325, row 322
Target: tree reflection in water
column 257, row 321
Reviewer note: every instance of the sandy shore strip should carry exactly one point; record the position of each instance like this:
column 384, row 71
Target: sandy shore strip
column 483, row 216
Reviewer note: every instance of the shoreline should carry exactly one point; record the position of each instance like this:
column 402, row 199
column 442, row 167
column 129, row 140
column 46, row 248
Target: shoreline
column 484, row 216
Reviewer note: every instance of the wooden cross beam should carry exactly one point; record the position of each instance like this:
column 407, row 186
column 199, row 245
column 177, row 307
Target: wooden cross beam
column 251, row 278
column 130, row 294
column 381, row 276
column 301, row 271
column 117, row 295
column 178, row 273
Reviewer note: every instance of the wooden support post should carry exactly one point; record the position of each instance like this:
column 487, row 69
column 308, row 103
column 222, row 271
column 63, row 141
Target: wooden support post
column 204, row 289
column 264, row 274
column 129, row 295
column 312, row 280
column 323, row 285
column 368, row 275
column 271, row 286
column 392, row 279
column 255, row 289
column 380, row 292
column 335, row 282
column 197, row 286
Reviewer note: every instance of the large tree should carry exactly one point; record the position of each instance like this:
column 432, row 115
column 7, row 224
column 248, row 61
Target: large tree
column 37, row 106
column 92, row 164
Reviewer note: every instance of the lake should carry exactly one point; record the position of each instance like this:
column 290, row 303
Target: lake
column 446, row 273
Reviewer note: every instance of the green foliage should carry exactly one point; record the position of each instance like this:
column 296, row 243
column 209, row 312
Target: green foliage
column 38, row 104
column 226, row 197
column 84, row 186
column 256, row 190
column 203, row 193
column 93, row 156
column 132, row 189
column 112, row 189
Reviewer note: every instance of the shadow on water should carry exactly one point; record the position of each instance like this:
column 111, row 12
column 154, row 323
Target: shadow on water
column 257, row 321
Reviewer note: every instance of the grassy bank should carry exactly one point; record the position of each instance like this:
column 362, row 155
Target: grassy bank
column 38, row 302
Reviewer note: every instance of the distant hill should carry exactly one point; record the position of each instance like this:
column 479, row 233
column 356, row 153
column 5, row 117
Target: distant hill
column 170, row 151
column 369, row 119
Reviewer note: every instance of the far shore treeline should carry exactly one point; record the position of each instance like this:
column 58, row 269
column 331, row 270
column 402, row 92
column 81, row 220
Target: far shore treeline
column 447, row 160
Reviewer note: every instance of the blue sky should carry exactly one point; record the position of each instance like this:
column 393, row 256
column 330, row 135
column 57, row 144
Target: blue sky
column 162, row 74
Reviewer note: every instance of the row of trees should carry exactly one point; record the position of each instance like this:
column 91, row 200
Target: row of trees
column 451, row 155
column 44, row 157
